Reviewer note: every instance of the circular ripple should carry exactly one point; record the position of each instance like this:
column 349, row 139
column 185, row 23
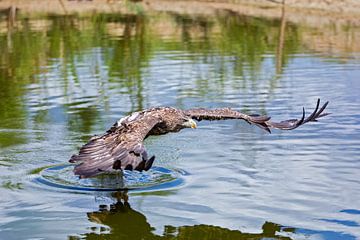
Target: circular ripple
column 157, row 178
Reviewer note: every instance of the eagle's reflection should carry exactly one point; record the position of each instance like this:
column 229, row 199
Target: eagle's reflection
column 126, row 223
column 123, row 221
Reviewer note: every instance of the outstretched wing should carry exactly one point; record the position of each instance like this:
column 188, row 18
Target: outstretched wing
column 120, row 148
column 260, row 121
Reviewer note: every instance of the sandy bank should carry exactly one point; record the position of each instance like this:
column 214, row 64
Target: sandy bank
column 310, row 12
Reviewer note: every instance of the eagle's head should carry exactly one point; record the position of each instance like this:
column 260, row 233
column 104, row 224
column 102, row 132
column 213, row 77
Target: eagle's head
column 189, row 123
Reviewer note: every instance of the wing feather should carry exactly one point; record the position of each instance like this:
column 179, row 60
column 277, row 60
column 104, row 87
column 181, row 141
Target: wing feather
column 120, row 148
column 227, row 113
column 260, row 121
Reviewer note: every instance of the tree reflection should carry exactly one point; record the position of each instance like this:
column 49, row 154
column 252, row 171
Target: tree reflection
column 61, row 57
column 125, row 222
column 131, row 53
column 280, row 48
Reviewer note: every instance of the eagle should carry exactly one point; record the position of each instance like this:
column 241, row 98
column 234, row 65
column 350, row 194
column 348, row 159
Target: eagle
column 122, row 146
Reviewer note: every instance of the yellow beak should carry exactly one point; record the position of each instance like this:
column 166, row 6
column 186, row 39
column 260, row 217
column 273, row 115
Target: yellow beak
column 193, row 123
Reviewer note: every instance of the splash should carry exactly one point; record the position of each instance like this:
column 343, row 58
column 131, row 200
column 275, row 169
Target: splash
column 156, row 179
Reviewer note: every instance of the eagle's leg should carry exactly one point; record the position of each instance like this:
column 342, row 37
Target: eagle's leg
column 149, row 162
column 146, row 162
column 121, row 196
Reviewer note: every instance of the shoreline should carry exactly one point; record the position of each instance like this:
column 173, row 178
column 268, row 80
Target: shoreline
column 346, row 12
column 262, row 8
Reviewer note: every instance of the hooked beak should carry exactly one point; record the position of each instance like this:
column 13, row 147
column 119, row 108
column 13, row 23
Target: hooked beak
column 192, row 123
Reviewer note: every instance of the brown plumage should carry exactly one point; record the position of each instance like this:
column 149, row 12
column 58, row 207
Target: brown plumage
column 121, row 147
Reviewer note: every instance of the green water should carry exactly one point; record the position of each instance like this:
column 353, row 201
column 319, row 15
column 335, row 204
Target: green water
column 64, row 79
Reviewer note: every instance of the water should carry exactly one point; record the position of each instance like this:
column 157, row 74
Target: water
column 64, row 79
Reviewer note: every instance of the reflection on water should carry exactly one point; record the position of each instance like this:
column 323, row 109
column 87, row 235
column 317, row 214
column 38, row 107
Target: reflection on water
column 63, row 57
column 65, row 78
column 120, row 221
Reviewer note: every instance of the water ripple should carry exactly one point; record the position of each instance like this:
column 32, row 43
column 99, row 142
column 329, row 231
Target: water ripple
column 156, row 179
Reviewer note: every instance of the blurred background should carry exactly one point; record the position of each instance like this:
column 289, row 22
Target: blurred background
column 70, row 69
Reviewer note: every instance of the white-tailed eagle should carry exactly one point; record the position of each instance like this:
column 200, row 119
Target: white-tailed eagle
column 122, row 147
